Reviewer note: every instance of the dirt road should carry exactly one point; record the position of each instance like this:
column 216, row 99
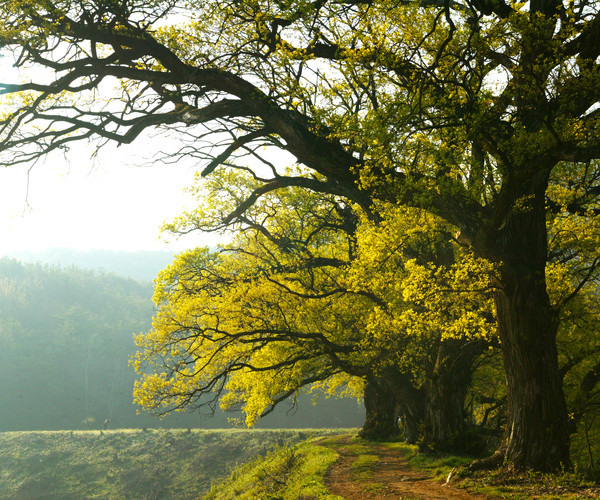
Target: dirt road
column 389, row 477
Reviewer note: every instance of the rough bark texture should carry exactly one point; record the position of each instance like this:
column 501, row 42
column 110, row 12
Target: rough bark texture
column 388, row 397
column 445, row 427
column 381, row 417
column 537, row 426
column 409, row 403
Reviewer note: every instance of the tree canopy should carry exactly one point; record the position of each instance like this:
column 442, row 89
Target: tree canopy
column 464, row 108
column 307, row 295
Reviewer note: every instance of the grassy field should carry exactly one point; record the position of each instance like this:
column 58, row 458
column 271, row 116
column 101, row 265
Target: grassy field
column 129, row 464
column 299, row 471
column 231, row 465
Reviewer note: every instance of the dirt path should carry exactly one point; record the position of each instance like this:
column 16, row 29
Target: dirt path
column 390, row 478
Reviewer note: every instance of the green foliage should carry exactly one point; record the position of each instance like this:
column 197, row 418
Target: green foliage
column 307, row 293
column 464, row 110
column 259, row 319
column 154, row 464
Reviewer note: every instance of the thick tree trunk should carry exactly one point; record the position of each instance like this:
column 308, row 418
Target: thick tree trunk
column 381, row 416
column 390, row 396
column 411, row 417
column 537, row 434
column 433, row 415
column 445, row 424
column 537, row 426
column 409, row 403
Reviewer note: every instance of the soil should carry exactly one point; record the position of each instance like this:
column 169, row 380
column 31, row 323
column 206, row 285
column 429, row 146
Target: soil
column 391, row 479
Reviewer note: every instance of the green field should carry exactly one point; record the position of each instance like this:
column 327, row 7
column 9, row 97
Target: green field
column 136, row 464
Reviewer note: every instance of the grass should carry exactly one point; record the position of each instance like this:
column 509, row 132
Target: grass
column 281, row 478
column 241, row 464
column 287, row 473
column 362, row 467
column 501, row 483
column 124, row 464
column 527, row 485
column 438, row 466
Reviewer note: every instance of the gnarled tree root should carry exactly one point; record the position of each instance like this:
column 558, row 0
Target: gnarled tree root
column 488, row 463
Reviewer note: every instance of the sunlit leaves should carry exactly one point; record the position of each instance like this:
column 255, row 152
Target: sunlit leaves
column 299, row 298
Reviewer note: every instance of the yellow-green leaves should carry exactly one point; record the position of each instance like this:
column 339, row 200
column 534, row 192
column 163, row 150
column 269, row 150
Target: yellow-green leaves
column 306, row 294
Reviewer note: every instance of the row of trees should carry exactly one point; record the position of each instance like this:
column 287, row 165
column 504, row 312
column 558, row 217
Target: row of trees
column 308, row 295
column 311, row 293
column 481, row 114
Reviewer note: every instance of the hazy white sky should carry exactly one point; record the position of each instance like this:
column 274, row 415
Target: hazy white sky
column 108, row 204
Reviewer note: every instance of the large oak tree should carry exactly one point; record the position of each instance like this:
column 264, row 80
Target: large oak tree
column 302, row 296
column 461, row 107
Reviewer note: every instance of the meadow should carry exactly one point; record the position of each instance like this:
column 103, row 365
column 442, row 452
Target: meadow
column 129, row 463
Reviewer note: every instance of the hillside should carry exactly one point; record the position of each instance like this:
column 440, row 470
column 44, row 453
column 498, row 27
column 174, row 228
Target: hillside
column 138, row 265
column 127, row 464
column 67, row 337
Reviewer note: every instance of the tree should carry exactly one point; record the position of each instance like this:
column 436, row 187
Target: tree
column 462, row 108
column 301, row 296
column 573, row 270
column 254, row 323
column 437, row 296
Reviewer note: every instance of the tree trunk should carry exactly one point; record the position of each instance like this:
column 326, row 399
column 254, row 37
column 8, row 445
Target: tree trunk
column 537, row 426
column 381, row 416
column 409, row 403
column 445, row 428
column 537, row 433
column 389, row 396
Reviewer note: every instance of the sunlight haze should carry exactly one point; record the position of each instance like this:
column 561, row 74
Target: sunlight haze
column 110, row 205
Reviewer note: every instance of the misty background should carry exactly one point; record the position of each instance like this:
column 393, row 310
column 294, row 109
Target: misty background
column 67, row 322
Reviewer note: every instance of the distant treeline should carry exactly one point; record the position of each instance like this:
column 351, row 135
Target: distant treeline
column 66, row 336
column 138, row 265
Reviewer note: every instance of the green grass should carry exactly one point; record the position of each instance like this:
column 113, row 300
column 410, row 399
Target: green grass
column 123, row 464
column 532, row 485
column 241, row 464
column 298, row 472
column 289, row 473
column 437, row 466
column 362, row 467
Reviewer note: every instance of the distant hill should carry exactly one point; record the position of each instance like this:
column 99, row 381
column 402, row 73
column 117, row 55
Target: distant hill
column 66, row 337
column 139, row 265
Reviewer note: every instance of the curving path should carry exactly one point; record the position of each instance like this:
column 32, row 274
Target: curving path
column 391, row 479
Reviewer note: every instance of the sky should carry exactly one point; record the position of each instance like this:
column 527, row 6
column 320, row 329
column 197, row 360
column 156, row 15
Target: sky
column 109, row 203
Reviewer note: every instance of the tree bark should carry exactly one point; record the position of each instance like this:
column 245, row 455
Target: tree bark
column 536, row 434
column 389, row 396
column 445, row 427
column 409, row 403
column 381, row 416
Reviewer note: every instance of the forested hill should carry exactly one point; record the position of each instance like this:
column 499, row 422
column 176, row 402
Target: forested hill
column 139, row 265
column 66, row 335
